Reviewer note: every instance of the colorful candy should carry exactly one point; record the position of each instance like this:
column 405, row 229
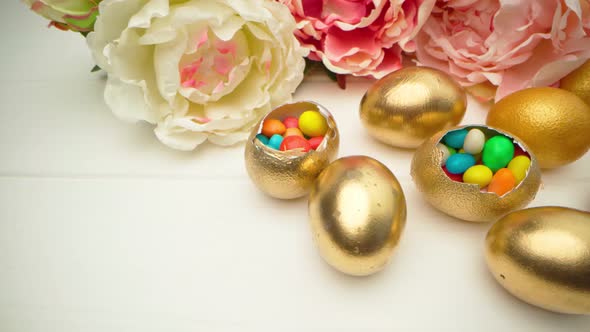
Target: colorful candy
column 518, row 151
column 445, row 152
column 295, row 142
column 454, row 177
column 519, row 167
column 315, row 142
column 273, row 127
column 262, row 139
column 497, row 152
column 478, row 174
column 459, row 163
column 313, row 124
column 502, row 182
column 496, row 165
column 293, row 132
column 275, row 141
column 474, row 141
column 455, row 138
column 278, row 134
column 291, row 122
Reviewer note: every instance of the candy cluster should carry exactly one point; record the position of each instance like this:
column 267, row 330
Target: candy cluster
column 496, row 163
column 305, row 133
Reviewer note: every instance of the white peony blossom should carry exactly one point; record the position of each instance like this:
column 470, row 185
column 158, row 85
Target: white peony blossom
column 199, row 69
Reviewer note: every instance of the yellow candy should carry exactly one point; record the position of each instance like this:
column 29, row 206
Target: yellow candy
column 313, row 124
column 478, row 174
column 519, row 166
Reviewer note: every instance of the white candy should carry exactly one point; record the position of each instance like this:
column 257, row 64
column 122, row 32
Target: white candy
column 474, row 141
column 445, row 151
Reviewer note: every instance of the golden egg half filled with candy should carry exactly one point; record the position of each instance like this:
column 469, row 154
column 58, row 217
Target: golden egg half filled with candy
column 554, row 123
column 289, row 148
column 542, row 256
column 357, row 212
column 476, row 173
column 408, row 106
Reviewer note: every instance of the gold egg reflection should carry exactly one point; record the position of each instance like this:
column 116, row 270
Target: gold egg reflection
column 466, row 201
column 357, row 213
column 542, row 256
column 289, row 174
column 408, row 106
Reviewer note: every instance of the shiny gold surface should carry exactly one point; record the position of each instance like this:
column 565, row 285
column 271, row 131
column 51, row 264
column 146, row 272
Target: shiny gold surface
column 542, row 256
column 578, row 82
column 406, row 107
column 357, row 213
column 554, row 123
column 289, row 174
column 466, row 201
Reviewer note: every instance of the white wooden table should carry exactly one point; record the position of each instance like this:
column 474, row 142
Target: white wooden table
column 102, row 228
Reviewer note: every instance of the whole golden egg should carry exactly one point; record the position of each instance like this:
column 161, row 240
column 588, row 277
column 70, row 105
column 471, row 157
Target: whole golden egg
column 289, row 174
column 578, row 82
column 542, row 256
column 466, row 201
column 554, row 123
column 408, row 106
column 357, row 213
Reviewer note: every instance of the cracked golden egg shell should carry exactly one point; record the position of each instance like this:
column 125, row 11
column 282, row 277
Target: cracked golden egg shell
column 406, row 107
column 466, row 201
column 542, row 256
column 290, row 174
column 357, row 212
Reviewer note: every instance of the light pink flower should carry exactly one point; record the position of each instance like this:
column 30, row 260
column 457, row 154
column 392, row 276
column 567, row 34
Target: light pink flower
column 359, row 37
column 514, row 44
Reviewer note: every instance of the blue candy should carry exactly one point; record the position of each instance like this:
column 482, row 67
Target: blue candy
column 275, row 141
column 262, row 139
column 459, row 163
column 456, row 138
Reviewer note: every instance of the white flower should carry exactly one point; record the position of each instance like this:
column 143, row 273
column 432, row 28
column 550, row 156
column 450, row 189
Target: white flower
column 199, row 69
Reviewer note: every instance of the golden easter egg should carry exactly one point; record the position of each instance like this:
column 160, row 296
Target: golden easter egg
column 464, row 200
column 408, row 106
column 578, row 82
column 542, row 256
column 554, row 123
column 290, row 174
column 357, row 212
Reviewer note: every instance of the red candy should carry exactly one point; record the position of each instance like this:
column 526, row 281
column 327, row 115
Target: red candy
column 291, row 122
column 454, row 177
column 295, row 142
column 315, row 142
column 518, row 151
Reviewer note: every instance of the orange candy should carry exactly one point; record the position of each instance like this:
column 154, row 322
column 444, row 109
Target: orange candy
column 272, row 126
column 502, row 182
column 293, row 132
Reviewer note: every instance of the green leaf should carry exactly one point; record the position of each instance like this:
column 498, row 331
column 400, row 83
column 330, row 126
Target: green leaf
column 330, row 74
column 95, row 69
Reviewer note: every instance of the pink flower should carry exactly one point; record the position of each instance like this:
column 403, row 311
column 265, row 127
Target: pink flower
column 359, row 37
column 512, row 44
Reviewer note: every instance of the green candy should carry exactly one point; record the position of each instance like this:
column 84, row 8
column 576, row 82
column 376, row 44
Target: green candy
column 497, row 152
